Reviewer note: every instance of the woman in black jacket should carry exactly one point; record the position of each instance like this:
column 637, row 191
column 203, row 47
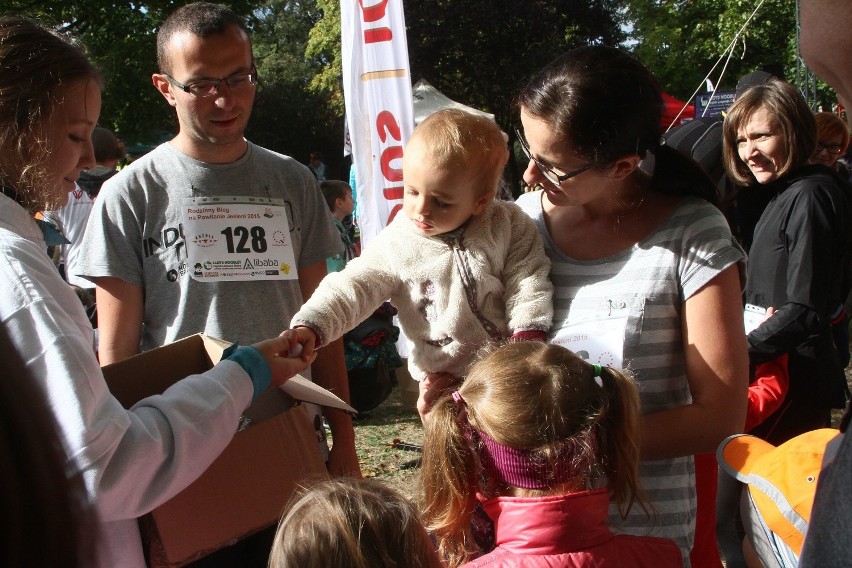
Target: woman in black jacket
column 800, row 253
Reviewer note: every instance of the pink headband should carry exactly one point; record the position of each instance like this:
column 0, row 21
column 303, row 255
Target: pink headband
column 525, row 468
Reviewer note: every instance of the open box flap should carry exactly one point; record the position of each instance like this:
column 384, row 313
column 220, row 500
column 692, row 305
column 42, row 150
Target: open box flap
column 303, row 389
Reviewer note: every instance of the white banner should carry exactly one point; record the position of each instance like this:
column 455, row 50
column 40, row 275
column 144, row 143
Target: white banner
column 379, row 114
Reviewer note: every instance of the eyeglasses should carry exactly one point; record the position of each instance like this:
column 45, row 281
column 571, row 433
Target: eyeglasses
column 547, row 171
column 210, row 87
column 832, row 148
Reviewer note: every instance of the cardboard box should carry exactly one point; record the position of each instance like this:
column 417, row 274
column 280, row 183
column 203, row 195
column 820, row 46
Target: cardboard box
column 247, row 487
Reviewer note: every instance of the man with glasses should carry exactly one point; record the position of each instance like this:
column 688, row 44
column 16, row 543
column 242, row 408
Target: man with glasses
column 209, row 232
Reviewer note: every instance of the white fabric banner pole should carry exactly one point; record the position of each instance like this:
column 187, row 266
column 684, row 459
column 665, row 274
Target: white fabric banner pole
column 379, row 112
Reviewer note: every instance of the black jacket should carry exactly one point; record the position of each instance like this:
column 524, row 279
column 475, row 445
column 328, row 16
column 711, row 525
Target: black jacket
column 799, row 264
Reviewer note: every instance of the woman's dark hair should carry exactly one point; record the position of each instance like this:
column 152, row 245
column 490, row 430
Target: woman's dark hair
column 49, row 519
column 789, row 113
column 605, row 104
column 38, row 65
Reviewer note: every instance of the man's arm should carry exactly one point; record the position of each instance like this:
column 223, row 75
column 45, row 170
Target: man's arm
column 120, row 307
column 329, row 371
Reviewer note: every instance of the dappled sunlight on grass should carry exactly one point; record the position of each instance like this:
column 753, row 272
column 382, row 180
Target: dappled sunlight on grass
column 375, row 433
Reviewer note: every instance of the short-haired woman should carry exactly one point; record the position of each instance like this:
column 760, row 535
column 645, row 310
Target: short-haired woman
column 799, row 256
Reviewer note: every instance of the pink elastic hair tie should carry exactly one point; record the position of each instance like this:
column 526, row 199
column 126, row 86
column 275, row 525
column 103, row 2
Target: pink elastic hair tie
column 525, row 468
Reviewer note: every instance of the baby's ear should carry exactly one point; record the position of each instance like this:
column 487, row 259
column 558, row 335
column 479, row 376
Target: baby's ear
column 481, row 202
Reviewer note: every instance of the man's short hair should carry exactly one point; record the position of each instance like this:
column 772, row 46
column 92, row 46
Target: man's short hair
column 202, row 19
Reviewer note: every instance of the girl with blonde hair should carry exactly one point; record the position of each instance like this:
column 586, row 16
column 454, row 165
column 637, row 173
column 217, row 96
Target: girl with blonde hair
column 543, row 440
column 351, row 523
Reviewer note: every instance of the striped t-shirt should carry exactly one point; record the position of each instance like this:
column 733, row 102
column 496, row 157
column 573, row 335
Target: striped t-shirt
column 646, row 287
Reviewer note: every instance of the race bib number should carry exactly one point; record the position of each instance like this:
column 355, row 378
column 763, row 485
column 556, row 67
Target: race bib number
column 600, row 342
column 237, row 238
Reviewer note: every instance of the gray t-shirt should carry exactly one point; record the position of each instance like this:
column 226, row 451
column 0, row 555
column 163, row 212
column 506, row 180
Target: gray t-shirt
column 646, row 285
column 135, row 234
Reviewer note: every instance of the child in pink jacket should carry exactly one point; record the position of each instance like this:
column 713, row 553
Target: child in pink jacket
column 543, row 441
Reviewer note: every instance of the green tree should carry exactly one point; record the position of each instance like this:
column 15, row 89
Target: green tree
column 682, row 40
column 324, row 49
column 293, row 112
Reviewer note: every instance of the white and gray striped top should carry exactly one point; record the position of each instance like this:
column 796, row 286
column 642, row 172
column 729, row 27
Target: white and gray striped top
column 648, row 284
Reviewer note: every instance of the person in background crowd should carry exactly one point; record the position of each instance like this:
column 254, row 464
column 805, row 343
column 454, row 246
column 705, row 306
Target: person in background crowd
column 131, row 460
column 317, row 166
column 75, row 215
column 643, row 250
column 109, row 152
column 799, row 257
column 832, row 142
column 338, row 197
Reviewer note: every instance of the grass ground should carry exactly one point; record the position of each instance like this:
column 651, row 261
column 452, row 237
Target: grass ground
column 394, row 420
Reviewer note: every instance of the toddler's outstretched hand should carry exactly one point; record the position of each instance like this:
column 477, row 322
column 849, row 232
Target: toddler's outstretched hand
column 302, row 342
column 282, row 364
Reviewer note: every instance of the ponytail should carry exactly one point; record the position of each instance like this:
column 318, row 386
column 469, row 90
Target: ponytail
column 620, row 440
column 448, row 480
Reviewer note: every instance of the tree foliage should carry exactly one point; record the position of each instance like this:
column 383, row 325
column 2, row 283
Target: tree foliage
column 325, row 49
column 682, row 40
column 483, row 52
column 289, row 116
column 476, row 51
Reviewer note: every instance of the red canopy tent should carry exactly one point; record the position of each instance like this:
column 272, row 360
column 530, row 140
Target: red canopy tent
column 671, row 108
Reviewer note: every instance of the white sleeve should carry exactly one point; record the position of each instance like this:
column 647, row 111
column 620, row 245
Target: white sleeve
column 132, row 461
